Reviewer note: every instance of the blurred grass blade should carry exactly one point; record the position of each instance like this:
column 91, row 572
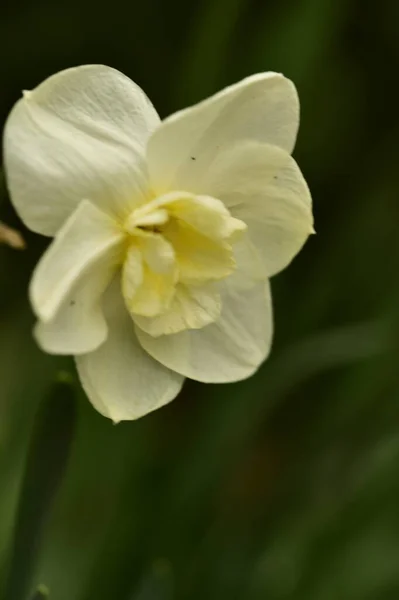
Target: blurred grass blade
column 46, row 462
column 41, row 593
column 208, row 44
column 157, row 584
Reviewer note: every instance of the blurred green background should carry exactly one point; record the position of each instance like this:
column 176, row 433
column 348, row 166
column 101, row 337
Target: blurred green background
column 285, row 486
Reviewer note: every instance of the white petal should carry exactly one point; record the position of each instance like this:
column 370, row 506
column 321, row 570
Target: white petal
column 121, row 380
column 88, row 238
column 230, row 349
column 278, row 215
column 191, row 308
column 79, row 135
column 263, row 186
column 240, row 169
column 262, row 107
column 249, row 265
column 79, row 325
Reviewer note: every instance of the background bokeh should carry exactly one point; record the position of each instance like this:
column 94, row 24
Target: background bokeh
column 285, row 486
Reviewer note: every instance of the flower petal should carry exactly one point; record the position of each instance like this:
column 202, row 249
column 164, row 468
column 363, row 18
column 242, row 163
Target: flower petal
column 132, row 272
column 88, row 238
column 263, row 186
column 79, row 135
column 149, row 275
column 79, row 325
column 157, row 252
column 230, row 349
column 240, row 169
column 262, row 107
column 191, row 308
column 198, row 257
column 278, row 213
column 207, row 215
column 121, row 380
column 250, row 268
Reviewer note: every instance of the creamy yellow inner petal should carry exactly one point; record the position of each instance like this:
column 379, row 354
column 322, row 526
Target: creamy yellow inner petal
column 149, row 275
column 207, row 215
column 132, row 272
column 179, row 245
column 192, row 307
column 199, row 257
column 154, row 295
column 157, row 252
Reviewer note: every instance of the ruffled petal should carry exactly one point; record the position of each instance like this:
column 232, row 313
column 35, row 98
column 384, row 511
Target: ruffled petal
column 88, row 240
column 132, row 273
column 149, row 275
column 120, row 379
column 79, row 325
column 81, row 134
column 262, row 108
column 263, row 186
column 278, row 214
column 191, row 308
column 228, row 350
column 198, row 257
column 206, row 215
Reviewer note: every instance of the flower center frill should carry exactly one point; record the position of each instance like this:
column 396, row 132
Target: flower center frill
column 179, row 245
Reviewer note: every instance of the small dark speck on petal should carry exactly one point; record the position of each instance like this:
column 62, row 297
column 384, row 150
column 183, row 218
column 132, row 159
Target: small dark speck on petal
column 72, row 303
column 193, row 158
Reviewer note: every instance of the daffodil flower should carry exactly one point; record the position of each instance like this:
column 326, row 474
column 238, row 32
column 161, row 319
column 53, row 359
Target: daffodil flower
column 165, row 232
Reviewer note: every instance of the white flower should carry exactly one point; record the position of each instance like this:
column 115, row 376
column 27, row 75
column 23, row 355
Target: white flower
column 165, row 233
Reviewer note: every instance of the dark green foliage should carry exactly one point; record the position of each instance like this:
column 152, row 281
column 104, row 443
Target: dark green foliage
column 48, row 451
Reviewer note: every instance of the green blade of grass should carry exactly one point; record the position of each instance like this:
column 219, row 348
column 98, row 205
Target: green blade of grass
column 46, row 462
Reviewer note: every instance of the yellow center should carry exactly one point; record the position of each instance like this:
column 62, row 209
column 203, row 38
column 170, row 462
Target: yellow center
column 180, row 244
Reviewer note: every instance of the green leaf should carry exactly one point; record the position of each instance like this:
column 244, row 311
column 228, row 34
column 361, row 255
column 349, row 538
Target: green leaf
column 41, row 593
column 47, row 458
